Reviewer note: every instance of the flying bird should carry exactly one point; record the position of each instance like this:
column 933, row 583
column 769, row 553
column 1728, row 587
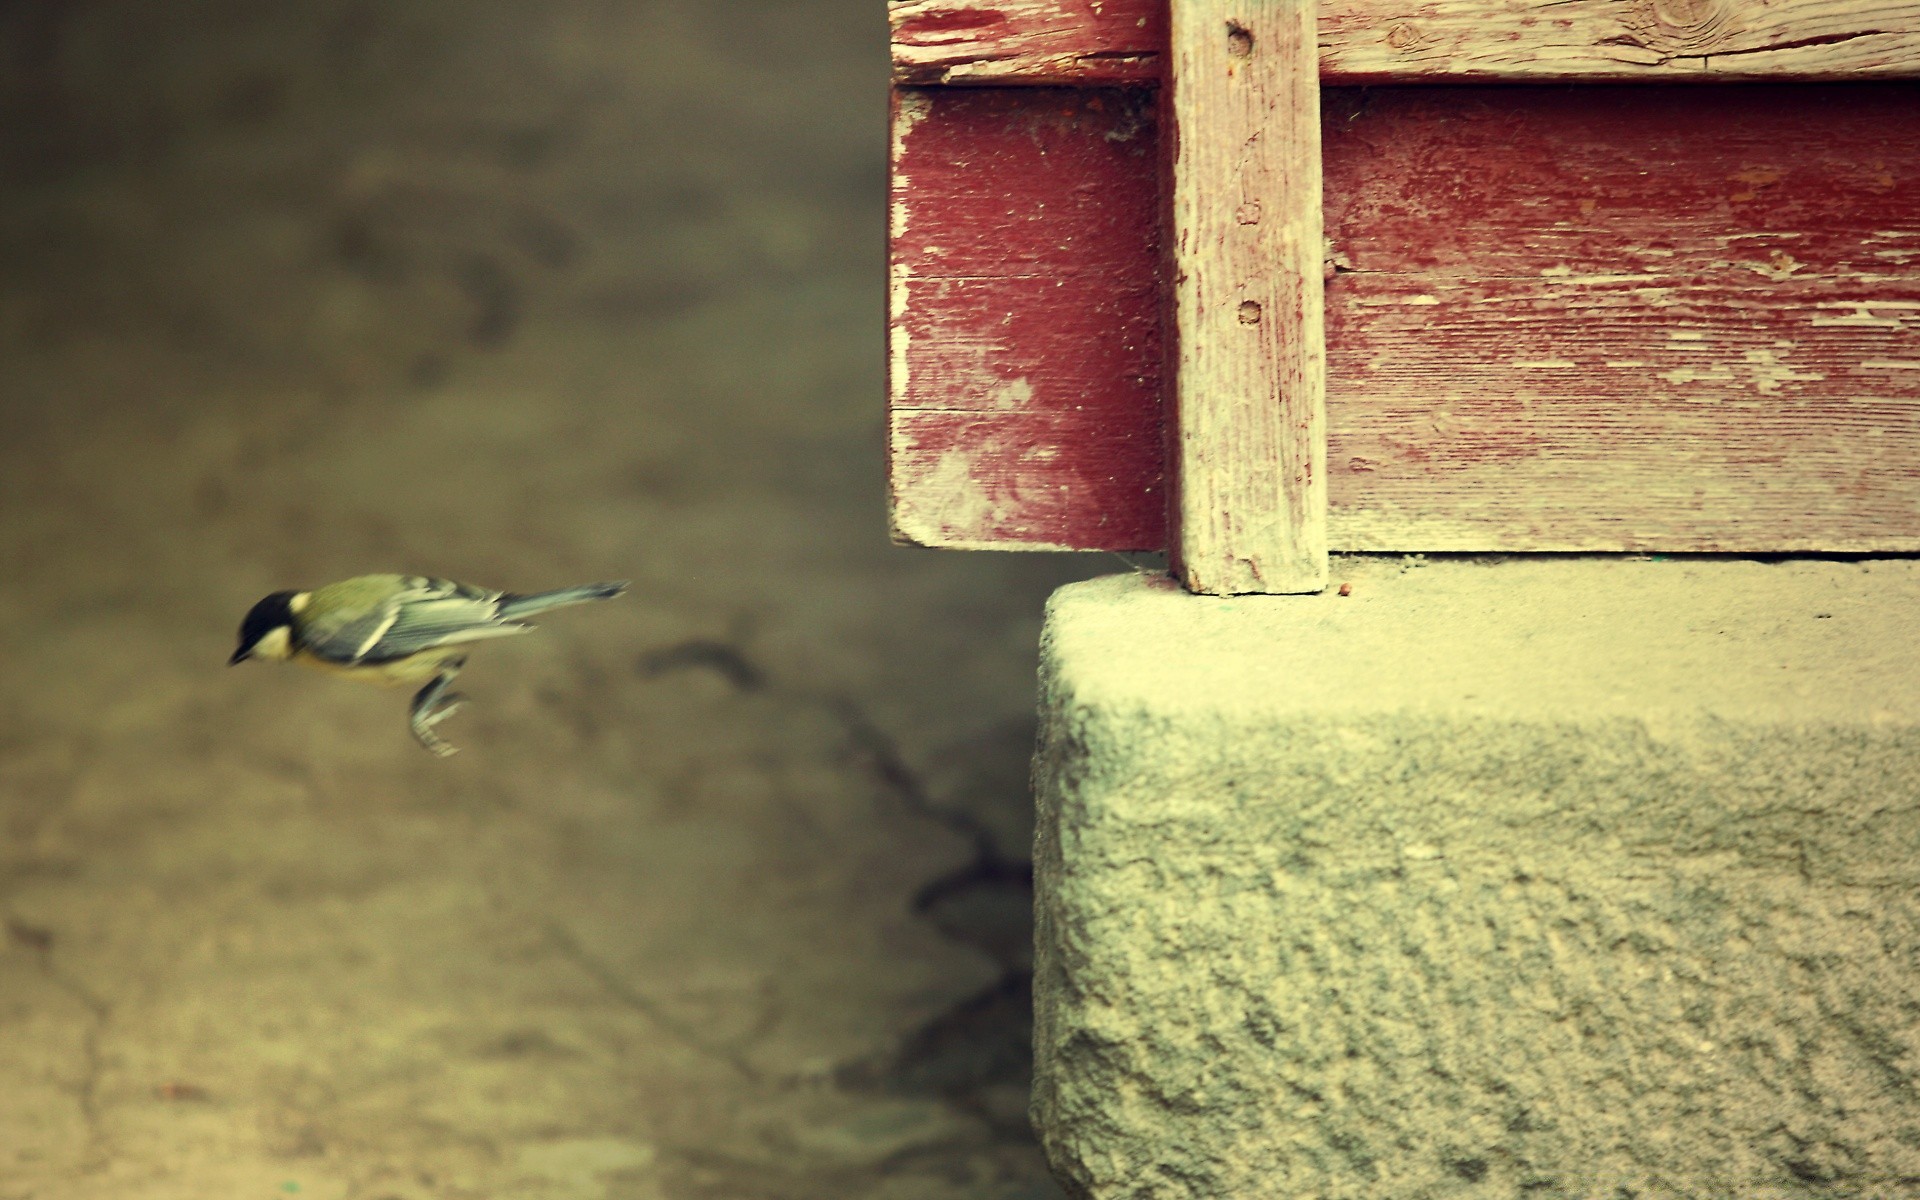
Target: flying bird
column 398, row 630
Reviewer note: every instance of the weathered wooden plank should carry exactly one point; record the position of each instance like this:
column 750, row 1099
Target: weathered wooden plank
column 1648, row 323
column 1635, row 413
column 1644, row 41
column 1102, row 42
column 994, row 438
column 1062, row 480
column 1108, row 43
column 1678, row 319
column 1247, row 364
column 1025, row 309
column 1636, row 329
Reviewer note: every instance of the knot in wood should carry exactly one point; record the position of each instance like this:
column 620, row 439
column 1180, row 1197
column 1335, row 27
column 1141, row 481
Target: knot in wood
column 1403, row 36
column 1680, row 26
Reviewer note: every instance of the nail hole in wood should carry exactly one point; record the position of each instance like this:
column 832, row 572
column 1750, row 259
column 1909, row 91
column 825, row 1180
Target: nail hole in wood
column 1249, row 313
column 1239, row 40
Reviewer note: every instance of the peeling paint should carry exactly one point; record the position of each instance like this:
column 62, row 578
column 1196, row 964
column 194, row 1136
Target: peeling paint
column 950, row 497
column 1770, row 370
column 910, row 108
column 1779, row 265
column 1695, row 372
column 1862, row 314
column 1684, row 375
column 1011, row 393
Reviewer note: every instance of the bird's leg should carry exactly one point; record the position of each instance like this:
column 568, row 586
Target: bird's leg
column 432, row 705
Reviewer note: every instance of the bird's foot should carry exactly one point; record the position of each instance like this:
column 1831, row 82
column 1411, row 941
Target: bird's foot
column 437, row 746
column 433, row 705
column 424, row 722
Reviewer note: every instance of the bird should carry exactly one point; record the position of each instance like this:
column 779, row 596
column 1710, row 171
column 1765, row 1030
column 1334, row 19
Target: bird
column 398, row 630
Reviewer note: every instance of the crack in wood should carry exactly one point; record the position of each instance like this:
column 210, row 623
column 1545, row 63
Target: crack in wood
column 1040, row 42
column 1833, row 39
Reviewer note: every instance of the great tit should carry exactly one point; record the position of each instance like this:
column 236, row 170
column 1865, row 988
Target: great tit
column 397, row 629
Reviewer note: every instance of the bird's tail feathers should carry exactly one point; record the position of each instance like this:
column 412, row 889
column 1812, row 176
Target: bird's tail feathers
column 513, row 607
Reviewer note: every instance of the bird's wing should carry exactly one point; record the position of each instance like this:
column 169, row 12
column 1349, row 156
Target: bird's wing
column 423, row 624
column 415, row 614
column 343, row 617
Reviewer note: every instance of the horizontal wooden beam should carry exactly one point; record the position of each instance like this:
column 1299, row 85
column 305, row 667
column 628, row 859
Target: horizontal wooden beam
column 1121, row 42
column 1683, row 319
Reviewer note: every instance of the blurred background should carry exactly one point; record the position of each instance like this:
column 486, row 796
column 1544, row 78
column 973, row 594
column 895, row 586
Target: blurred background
column 727, row 893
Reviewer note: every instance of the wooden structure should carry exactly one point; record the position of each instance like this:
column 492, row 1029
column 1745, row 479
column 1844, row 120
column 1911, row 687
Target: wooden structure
column 1668, row 317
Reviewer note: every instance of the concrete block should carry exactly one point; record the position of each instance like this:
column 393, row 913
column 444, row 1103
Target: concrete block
column 1545, row 879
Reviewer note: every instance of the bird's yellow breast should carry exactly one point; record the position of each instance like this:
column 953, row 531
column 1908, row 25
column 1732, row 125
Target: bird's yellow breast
column 415, row 668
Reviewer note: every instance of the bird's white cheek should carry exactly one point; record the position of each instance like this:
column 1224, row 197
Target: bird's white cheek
column 276, row 645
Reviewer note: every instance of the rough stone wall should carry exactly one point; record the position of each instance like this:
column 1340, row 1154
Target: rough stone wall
column 1361, row 944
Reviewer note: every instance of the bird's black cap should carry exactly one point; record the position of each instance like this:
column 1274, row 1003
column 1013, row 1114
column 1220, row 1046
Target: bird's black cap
column 263, row 618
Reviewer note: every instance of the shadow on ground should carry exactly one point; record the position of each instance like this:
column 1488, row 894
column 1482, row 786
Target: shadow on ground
column 726, row 894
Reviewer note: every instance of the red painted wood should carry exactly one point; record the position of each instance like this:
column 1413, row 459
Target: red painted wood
column 1644, row 319
column 1025, row 325
column 1640, row 318
column 1065, row 480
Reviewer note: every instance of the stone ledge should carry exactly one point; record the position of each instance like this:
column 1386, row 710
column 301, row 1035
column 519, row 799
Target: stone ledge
column 1551, row 878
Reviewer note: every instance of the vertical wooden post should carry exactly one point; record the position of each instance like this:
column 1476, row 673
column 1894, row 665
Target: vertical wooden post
column 1242, row 114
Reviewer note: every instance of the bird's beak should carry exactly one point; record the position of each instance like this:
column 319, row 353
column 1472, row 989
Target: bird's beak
column 239, row 656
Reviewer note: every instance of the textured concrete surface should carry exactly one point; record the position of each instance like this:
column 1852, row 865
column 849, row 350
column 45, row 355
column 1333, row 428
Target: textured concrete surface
column 725, row 895
column 1548, row 879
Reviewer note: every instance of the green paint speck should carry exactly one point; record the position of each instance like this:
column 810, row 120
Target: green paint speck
column 290, row 1186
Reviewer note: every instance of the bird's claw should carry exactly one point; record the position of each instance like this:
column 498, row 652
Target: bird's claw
column 423, row 728
column 437, row 746
column 431, row 707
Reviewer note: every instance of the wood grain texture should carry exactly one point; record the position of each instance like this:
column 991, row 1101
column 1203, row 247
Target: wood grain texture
column 1108, row 43
column 1660, row 319
column 1024, row 332
column 1643, row 319
column 1103, row 42
column 1247, row 364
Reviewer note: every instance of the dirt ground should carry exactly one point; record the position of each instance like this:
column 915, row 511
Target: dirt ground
column 726, row 895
